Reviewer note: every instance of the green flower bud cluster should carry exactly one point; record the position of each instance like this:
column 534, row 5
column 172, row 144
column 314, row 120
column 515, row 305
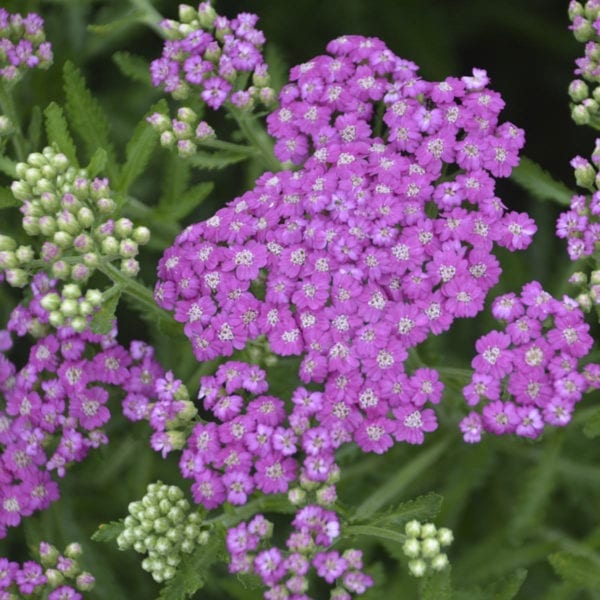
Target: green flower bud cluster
column 185, row 133
column 313, row 492
column 585, row 21
column 6, row 126
column 423, row 547
column 76, row 216
column 162, row 526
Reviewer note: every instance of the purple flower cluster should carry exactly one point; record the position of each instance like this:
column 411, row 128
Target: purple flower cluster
column 581, row 224
column 22, row 44
column 53, row 409
column 213, row 56
column 256, row 446
column 380, row 239
column 47, row 577
column 528, row 376
column 286, row 574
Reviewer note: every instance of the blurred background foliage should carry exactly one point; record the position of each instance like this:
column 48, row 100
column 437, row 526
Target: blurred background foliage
column 511, row 503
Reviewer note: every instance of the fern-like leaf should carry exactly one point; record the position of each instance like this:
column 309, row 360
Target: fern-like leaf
column 216, row 160
column 133, row 66
column 139, row 150
column 57, row 132
column 103, row 320
column 438, row 586
column 579, row 570
column 86, row 115
column 423, row 508
column 539, row 183
column 186, row 203
column 592, row 425
column 7, row 200
column 107, row 532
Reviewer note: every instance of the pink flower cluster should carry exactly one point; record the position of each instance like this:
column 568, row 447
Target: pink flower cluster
column 22, row 44
column 286, row 574
column 528, row 376
column 381, row 238
column 53, row 409
column 210, row 54
column 580, row 225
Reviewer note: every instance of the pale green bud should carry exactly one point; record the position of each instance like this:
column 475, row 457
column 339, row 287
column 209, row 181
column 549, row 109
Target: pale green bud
column 109, row 246
column 48, row 172
column 94, row 297
column 187, row 546
column 8, row 260
column 63, row 239
column 128, row 248
column 206, row 15
column 411, row 548
column 578, row 90
column 67, row 222
column 56, row 319
column 175, row 515
column 6, row 126
column 69, row 307
column 428, row 530
column 187, row 13
column 91, row 260
column 430, row 547
column 579, row 114
column 85, row 581
column 417, row 567
column 16, row 278
column 203, row 538
column 50, row 302
column 439, row 562
column 296, row 496
column 44, row 185
column 85, row 217
column 24, row 254
column 106, row 206
column 85, row 308
column 167, row 139
column 445, row 536
column 60, row 162
column 49, row 202
column 187, row 115
column 55, row 578
column 31, row 225
column 47, row 225
column 21, row 169
column 21, row 191
column 73, row 550
column 161, row 525
column 163, row 546
column 61, row 269
column 586, row 301
column 413, row 528
column 123, row 228
column 71, row 291
column 186, row 148
column 36, row 159
column 7, row 243
column 130, row 267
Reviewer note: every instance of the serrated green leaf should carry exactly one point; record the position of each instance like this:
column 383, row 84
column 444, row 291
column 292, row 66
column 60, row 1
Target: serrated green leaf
column 7, row 200
column 118, row 25
column 34, row 131
column 216, row 160
column 592, row 426
column 372, row 531
column 57, row 132
column 186, row 203
column 438, row 586
column 539, row 183
column 86, row 115
column 192, row 570
column 139, row 150
column 175, row 180
column 8, row 166
column 576, row 569
column 423, row 508
column 133, row 66
column 508, row 587
column 107, row 532
column 98, row 163
column 102, row 321
column 394, row 485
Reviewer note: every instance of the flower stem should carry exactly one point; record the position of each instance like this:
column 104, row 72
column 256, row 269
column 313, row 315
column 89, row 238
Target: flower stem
column 8, row 108
column 149, row 15
column 257, row 136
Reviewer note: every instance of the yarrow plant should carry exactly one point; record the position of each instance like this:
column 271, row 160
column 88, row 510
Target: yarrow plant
column 266, row 388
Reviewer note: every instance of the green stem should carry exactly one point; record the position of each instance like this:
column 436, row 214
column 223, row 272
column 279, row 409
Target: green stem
column 137, row 291
column 150, row 16
column 7, row 105
column 257, row 136
column 221, row 145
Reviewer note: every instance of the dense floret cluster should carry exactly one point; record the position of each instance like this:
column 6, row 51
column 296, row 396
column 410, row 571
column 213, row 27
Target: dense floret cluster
column 382, row 237
column 213, row 57
column 528, row 376
column 286, row 573
column 56, row 576
column 53, row 410
column 22, row 44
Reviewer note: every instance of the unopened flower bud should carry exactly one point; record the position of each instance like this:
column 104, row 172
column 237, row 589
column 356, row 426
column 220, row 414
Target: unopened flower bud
column 106, row 206
column 31, row 225
column 430, row 547
column 67, row 222
column 123, row 228
column 187, row 115
column 8, row 260
column 141, row 235
column 24, row 254
column 63, row 239
column 48, row 554
column 584, row 172
column 187, row 13
column 181, row 130
column 49, row 202
column 428, row 530
column 56, row 319
column 582, row 29
column 580, row 115
column 167, row 139
column 130, row 267
column 69, row 307
column 206, row 15
column 74, row 549
column 85, row 216
column 204, row 131
column 44, row 185
column 296, row 496
column 21, row 191
column 177, row 439
column 50, row 302
column 110, row 246
column 36, row 159
column 94, row 297
column 90, row 259
column 439, row 562
column 411, row 548
column 61, row 269
column 578, row 90
column 71, row 291
column 7, row 243
column 47, row 225
column 16, row 278
column 417, row 567
column 6, row 126
column 59, row 161
column 159, row 122
column 80, row 272
column 85, row 581
column 83, row 243
column 413, row 528
column 186, row 148
column 55, row 578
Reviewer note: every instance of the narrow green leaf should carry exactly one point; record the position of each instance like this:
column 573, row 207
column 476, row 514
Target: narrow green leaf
column 139, row 150
column 57, row 132
column 592, row 426
column 576, row 569
column 7, row 200
column 437, row 586
column 508, row 587
column 102, row 321
column 216, row 160
column 423, row 508
column 378, row 532
column 394, row 486
column 98, row 162
column 186, row 203
column 8, row 167
column 86, row 115
column 133, row 66
column 539, row 183
column 107, row 532
column 537, row 488
column 34, row 131
column 175, row 180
